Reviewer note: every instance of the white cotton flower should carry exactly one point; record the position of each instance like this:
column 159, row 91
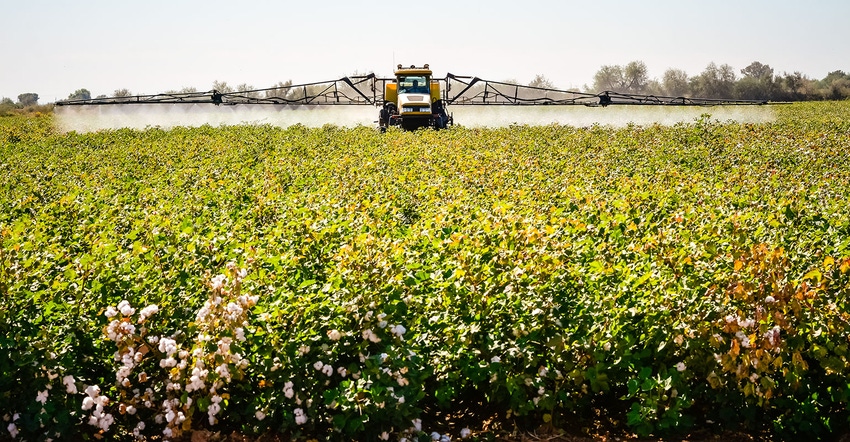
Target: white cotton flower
column 769, row 299
column 435, row 436
column 731, row 318
column 537, row 312
column 168, row 346
column 318, row 365
column 417, row 424
column 327, row 370
column 745, row 340
column 213, row 409
column 147, row 312
column 260, row 415
column 681, row 366
column 398, row 330
column 88, row 402
column 772, row 335
column 342, row 371
column 384, row 436
column 371, row 336
column 334, row 335
column 240, row 334
column 110, row 312
column 464, row 433
column 224, row 346
column 125, row 308
column 41, row 396
column 131, row 409
column 106, row 421
column 217, row 282
column 13, row 430
column 401, row 399
column 300, row 417
column 495, row 359
column 223, row 371
column 93, row 391
column 543, row 372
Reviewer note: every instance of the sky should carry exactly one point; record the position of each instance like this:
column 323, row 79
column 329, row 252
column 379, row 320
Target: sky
column 54, row 47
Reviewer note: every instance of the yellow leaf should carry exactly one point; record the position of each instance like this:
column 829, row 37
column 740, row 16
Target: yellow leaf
column 738, row 265
column 828, row 261
column 814, row 274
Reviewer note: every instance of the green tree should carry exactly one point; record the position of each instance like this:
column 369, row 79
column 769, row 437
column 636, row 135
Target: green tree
column 542, row 82
column 6, row 106
column 247, row 90
column 835, row 86
column 80, row 94
column 675, row 83
column 714, row 82
column 631, row 78
column 757, row 84
column 758, row 71
column 637, row 77
column 795, row 86
column 27, row 99
column 279, row 90
column 609, row 78
column 222, row 87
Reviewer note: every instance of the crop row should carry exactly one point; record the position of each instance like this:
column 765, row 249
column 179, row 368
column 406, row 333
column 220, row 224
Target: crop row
column 341, row 283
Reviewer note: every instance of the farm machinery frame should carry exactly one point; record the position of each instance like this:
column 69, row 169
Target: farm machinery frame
column 412, row 99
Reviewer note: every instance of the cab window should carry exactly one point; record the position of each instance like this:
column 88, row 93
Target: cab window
column 413, row 84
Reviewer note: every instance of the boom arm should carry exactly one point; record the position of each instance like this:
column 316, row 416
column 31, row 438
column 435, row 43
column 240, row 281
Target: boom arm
column 369, row 90
column 476, row 91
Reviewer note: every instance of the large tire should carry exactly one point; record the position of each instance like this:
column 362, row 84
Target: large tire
column 385, row 114
column 442, row 118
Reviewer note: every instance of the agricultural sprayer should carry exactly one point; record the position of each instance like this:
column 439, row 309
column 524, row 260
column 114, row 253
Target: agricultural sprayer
column 412, row 99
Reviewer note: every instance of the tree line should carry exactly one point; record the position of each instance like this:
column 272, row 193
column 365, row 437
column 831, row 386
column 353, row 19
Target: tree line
column 757, row 81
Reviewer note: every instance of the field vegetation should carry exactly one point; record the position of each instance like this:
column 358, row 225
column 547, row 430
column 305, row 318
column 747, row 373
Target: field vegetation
column 345, row 284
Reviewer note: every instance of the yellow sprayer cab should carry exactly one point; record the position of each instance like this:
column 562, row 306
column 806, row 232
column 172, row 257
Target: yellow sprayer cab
column 413, row 100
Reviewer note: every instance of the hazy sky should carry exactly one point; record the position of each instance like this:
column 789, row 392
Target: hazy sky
column 55, row 47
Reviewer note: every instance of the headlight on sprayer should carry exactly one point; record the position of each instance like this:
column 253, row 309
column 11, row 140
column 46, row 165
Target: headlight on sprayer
column 407, row 109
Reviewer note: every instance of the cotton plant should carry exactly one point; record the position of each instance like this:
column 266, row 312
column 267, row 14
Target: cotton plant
column 346, row 373
column 37, row 415
column 173, row 379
